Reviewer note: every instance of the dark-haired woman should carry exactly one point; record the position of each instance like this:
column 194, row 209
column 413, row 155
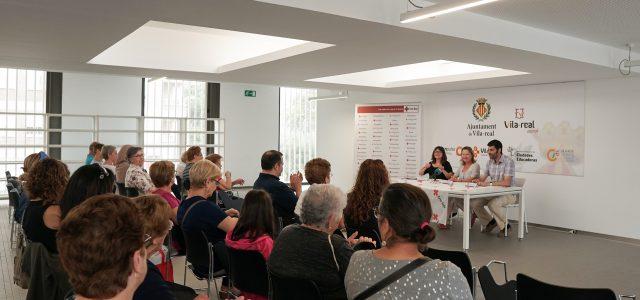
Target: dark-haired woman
column 255, row 229
column 438, row 167
column 372, row 179
column 45, row 184
column 86, row 182
column 403, row 217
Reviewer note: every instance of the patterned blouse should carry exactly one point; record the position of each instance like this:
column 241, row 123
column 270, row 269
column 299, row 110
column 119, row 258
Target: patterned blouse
column 435, row 279
column 138, row 178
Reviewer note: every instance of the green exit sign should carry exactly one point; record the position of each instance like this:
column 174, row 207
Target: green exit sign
column 249, row 93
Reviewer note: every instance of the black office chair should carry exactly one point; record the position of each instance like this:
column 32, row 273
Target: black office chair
column 494, row 291
column 365, row 246
column 459, row 259
column 132, row 192
column 176, row 191
column 200, row 255
column 122, row 190
column 248, row 271
column 288, row 288
column 530, row 288
column 14, row 199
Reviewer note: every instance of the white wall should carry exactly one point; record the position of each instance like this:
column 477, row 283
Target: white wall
column 93, row 94
column 335, row 135
column 603, row 201
column 251, row 127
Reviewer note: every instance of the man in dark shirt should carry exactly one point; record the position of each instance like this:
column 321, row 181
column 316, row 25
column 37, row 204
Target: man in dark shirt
column 284, row 198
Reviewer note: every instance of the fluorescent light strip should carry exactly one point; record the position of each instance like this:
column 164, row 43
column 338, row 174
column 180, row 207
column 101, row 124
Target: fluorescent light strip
column 440, row 9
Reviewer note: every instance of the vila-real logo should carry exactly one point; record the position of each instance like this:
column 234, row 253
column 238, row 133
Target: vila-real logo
column 519, row 113
column 481, row 109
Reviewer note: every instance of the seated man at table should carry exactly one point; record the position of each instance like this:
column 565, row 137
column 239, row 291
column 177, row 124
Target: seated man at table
column 284, row 197
column 500, row 171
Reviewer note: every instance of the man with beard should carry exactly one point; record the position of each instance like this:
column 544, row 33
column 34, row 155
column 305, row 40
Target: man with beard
column 500, row 171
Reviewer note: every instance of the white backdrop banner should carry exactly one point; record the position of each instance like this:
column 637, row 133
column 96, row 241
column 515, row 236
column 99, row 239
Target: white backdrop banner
column 540, row 126
column 391, row 133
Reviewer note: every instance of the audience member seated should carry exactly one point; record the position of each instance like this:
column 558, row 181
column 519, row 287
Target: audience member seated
column 101, row 245
column 311, row 251
column 193, row 155
column 86, row 182
column 156, row 218
column 196, row 214
column 500, row 171
column 45, row 185
column 403, row 217
column 255, row 229
column 438, row 167
column 284, row 197
column 162, row 175
column 364, row 197
column 468, row 171
column 226, row 183
column 136, row 176
column 97, row 156
column 317, row 171
column 23, row 200
column 122, row 165
column 109, row 158
column 27, row 164
column 180, row 167
column 91, row 154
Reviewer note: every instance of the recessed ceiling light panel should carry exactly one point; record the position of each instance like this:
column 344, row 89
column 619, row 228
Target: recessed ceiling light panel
column 431, row 72
column 168, row 46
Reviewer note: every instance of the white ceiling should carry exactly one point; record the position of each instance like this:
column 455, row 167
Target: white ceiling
column 199, row 49
column 64, row 35
column 610, row 22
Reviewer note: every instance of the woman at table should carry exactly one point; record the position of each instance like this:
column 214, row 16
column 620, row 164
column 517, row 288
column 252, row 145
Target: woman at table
column 438, row 167
column 468, row 171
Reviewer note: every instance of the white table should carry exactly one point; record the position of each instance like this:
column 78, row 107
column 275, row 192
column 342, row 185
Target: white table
column 459, row 190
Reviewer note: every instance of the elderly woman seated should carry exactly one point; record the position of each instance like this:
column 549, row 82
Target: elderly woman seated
column 310, row 251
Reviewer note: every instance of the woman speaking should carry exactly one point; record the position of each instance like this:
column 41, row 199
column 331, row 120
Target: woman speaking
column 438, row 167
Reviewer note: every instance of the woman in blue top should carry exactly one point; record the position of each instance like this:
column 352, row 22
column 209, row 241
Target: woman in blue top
column 196, row 214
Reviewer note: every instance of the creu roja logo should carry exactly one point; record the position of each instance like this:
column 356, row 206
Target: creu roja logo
column 458, row 150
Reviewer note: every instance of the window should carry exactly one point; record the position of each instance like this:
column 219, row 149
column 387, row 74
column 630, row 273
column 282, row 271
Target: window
column 22, row 108
column 173, row 102
column 297, row 128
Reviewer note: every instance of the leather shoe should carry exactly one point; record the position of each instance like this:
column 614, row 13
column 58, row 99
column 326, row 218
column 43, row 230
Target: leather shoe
column 489, row 227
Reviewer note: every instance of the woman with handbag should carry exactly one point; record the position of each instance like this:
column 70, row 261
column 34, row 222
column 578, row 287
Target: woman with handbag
column 398, row 270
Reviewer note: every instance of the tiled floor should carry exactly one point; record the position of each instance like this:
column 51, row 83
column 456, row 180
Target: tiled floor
column 8, row 289
column 552, row 256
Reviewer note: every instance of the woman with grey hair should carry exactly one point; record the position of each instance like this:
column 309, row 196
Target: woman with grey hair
column 311, row 251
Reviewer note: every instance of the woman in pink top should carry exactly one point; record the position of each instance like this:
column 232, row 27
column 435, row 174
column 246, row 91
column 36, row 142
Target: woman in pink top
column 162, row 175
column 255, row 228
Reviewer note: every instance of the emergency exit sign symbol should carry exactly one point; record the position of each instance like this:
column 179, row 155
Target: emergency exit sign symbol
column 249, row 93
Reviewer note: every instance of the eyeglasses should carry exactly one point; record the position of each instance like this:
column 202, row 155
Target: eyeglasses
column 147, row 241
